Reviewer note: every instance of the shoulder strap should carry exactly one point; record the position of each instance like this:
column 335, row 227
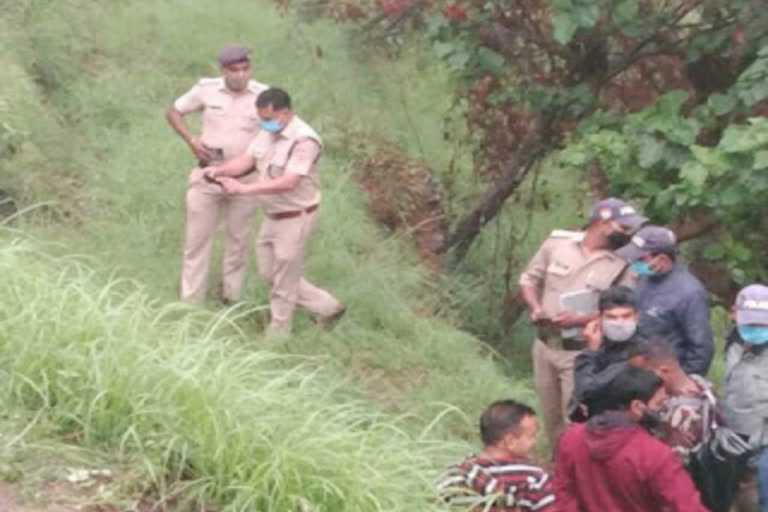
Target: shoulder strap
column 620, row 275
column 302, row 139
column 565, row 233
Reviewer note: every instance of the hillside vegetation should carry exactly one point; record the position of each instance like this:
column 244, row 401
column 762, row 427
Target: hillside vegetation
column 358, row 418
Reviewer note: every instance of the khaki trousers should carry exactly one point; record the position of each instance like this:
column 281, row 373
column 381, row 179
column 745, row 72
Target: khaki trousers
column 280, row 254
column 553, row 380
column 203, row 203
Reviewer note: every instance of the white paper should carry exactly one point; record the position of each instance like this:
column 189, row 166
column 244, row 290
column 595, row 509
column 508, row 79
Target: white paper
column 578, row 301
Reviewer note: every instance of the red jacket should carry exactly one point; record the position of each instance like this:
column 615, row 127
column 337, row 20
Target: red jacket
column 611, row 464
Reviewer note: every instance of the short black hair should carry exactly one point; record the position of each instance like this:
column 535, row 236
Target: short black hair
column 275, row 97
column 617, row 296
column 502, row 417
column 628, row 385
column 659, row 349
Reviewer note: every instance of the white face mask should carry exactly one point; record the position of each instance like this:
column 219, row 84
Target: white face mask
column 618, row 330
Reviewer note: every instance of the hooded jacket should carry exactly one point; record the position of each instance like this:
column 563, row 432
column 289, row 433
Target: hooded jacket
column 611, row 464
column 595, row 369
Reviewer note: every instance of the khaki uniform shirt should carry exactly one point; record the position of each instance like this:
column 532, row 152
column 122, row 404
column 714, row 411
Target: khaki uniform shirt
column 562, row 265
column 229, row 119
column 294, row 150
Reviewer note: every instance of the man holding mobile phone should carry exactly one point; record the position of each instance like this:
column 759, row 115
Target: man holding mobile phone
column 229, row 123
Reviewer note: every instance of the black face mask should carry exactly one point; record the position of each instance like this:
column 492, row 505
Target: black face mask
column 650, row 420
column 617, row 240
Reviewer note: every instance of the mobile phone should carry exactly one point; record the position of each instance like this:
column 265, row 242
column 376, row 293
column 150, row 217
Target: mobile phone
column 211, row 179
column 217, row 154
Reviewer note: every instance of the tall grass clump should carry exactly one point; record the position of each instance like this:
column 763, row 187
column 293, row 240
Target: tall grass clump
column 242, row 428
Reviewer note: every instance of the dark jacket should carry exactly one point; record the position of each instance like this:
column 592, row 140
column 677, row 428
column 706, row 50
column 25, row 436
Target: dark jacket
column 594, row 369
column 676, row 306
column 611, row 464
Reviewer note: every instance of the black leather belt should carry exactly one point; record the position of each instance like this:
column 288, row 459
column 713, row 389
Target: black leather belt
column 553, row 339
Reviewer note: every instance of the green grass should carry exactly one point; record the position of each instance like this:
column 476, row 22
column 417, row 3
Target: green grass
column 250, row 429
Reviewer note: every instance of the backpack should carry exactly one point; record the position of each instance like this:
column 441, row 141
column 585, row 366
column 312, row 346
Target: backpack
column 718, row 466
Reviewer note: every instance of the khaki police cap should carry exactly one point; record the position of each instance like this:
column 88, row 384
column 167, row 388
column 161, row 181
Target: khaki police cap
column 233, row 53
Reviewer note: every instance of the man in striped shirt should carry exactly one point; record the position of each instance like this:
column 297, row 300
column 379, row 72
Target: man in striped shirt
column 501, row 478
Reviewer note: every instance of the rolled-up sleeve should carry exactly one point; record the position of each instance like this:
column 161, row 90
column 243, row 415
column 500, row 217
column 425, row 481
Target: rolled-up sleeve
column 302, row 158
column 190, row 101
column 534, row 272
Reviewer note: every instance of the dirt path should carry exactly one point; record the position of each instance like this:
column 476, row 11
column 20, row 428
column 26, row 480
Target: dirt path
column 11, row 502
column 52, row 499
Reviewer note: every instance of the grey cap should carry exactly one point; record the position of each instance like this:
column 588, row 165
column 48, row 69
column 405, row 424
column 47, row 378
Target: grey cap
column 752, row 305
column 233, row 53
column 648, row 240
column 616, row 209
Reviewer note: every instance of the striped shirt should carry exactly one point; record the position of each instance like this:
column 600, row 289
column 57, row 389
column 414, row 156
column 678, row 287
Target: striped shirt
column 498, row 485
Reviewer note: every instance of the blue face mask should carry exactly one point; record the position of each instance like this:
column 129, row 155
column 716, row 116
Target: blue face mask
column 271, row 125
column 643, row 268
column 754, row 334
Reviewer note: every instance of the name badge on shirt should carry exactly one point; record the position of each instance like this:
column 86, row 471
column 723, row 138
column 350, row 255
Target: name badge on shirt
column 558, row 268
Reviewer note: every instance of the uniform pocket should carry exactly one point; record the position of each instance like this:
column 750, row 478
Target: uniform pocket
column 603, row 276
column 557, row 275
column 195, row 176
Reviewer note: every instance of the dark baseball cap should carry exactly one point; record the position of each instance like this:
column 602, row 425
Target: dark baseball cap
column 616, row 209
column 648, row 240
column 752, row 305
column 233, row 53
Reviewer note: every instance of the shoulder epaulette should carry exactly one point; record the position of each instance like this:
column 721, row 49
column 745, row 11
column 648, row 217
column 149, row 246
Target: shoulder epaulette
column 208, row 82
column 564, row 233
column 257, row 87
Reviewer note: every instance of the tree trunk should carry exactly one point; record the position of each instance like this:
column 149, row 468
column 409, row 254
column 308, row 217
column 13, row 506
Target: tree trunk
column 598, row 181
column 532, row 148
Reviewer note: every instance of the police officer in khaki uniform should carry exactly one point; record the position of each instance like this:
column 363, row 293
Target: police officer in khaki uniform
column 566, row 262
column 229, row 123
column 285, row 154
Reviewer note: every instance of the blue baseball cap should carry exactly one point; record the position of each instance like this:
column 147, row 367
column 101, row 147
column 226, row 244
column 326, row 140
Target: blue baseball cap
column 616, row 209
column 648, row 240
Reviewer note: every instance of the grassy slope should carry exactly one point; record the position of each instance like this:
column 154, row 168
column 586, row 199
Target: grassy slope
column 97, row 143
column 252, row 429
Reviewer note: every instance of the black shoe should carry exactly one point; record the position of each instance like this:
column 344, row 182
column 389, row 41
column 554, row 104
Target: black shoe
column 328, row 322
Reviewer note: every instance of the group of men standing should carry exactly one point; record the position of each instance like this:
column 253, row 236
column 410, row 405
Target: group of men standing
column 622, row 348
column 616, row 247
column 253, row 152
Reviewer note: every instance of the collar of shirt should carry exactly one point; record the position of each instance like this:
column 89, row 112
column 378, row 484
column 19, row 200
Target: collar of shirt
column 596, row 254
column 484, row 459
column 249, row 89
column 290, row 130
